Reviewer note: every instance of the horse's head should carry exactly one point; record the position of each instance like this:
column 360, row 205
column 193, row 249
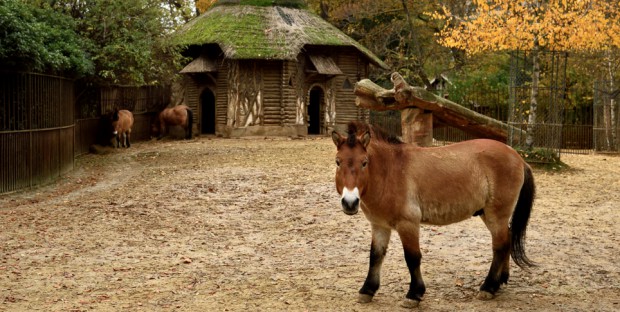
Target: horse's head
column 155, row 127
column 352, row 166
column 114, row 118
column 155, row 130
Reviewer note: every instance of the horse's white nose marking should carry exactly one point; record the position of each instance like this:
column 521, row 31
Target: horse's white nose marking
column 350, row 196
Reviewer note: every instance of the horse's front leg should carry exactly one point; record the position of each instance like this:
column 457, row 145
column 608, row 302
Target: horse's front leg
column 378, row 248
column 409, row 233
column 128, row 138
column 162, row 129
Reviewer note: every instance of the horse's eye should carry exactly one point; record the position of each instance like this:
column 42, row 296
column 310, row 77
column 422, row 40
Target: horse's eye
column 364, row 163
column 337, row 162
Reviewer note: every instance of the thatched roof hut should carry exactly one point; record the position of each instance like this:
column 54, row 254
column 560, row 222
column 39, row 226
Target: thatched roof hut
column 270, row 68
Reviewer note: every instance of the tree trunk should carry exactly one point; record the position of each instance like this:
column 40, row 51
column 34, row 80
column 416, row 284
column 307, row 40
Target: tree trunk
column 531, row 122
column 417, row 55
column 609, row 113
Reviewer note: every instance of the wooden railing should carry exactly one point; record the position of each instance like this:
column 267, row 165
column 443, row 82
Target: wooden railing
column 36, row 129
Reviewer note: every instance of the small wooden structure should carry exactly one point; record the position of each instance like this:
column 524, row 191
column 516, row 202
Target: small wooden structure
column 421, row 110
column 270, row 70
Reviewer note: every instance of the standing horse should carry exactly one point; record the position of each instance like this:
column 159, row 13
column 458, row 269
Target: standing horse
column 179, row 115
column 122, row 121
column 399, row 186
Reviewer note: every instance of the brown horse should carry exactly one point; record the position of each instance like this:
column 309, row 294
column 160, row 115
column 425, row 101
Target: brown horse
column 122, row 121
column 179, row 115
column 399, row 186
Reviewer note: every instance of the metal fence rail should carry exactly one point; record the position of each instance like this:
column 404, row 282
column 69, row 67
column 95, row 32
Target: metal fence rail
column 575, row 138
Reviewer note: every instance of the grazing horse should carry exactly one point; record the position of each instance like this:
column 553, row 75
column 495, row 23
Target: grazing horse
column 179, row 115
column 399, row 186
column 122, row 121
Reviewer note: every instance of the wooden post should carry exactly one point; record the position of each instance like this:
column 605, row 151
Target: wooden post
column 417, row 126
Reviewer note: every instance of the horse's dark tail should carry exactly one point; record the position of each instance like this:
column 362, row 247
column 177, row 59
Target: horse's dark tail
column 520, row 217
column 190, row 121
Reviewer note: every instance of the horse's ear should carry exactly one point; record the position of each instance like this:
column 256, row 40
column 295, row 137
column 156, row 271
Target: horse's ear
column 337, row 138
column 365, row 139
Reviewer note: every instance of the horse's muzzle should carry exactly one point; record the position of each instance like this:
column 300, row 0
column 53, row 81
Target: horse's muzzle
column 350, row 208
column 350, row 201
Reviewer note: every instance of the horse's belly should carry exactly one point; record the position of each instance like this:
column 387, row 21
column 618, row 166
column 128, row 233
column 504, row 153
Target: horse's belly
column 447, row 214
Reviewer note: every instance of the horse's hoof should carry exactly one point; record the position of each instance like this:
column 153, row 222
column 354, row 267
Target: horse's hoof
column 484, row 295
column 364, row 298
column 410, row 303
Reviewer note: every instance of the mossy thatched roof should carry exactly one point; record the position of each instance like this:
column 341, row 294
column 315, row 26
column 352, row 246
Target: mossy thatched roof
column 264, row 32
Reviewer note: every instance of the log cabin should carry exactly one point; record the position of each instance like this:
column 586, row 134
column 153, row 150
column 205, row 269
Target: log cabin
column 270, row 68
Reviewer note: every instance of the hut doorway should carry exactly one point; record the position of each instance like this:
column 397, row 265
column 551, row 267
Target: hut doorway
column 315, row 111
column 207, row 112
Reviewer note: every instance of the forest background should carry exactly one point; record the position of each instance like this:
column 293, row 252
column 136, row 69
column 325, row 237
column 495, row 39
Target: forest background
column 124, row 42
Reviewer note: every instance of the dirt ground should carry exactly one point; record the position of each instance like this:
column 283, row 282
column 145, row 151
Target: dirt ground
column 217, row 224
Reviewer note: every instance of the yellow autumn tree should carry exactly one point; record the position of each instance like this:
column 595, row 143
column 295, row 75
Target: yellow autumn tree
column 203, row 5
column 535, row 25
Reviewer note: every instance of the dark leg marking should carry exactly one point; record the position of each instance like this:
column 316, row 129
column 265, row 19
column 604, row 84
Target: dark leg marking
column 416, row 287
column 497, row 273
column 373, row 279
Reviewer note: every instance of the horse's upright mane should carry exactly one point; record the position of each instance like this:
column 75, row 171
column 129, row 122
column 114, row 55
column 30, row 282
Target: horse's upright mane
column 356, row 128
column 115, row 115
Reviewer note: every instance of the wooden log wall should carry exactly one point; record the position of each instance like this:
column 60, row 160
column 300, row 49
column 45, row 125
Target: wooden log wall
column 192, row 95
column 276, row 92
column 272, row 93
column 288, row 95
column 353, row 68
column 245, row 94
column 221, row 94
column 295, row 100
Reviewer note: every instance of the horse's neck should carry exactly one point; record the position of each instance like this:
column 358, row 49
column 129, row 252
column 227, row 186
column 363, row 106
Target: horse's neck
column 386, row 159
column 162, row 119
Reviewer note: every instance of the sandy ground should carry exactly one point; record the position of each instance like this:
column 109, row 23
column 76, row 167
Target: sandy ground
column 254, row 225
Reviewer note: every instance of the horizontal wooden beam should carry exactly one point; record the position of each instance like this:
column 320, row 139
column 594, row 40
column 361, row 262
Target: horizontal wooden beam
column 371, row 96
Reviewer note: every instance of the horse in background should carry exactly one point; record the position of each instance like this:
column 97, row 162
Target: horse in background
column 122, row 121
column 179, row 115
column 399, row 186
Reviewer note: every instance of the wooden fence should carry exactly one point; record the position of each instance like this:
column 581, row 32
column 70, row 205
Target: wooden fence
column 94, row 103
column 44, row 124
column 36, row 129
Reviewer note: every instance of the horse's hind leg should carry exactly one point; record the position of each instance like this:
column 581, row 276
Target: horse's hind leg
column 378, row 248
column 500, row 267
column 409, row 233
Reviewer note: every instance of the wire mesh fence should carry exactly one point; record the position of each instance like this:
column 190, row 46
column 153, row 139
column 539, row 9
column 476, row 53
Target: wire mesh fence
column 537, row 92
column 550, row 126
